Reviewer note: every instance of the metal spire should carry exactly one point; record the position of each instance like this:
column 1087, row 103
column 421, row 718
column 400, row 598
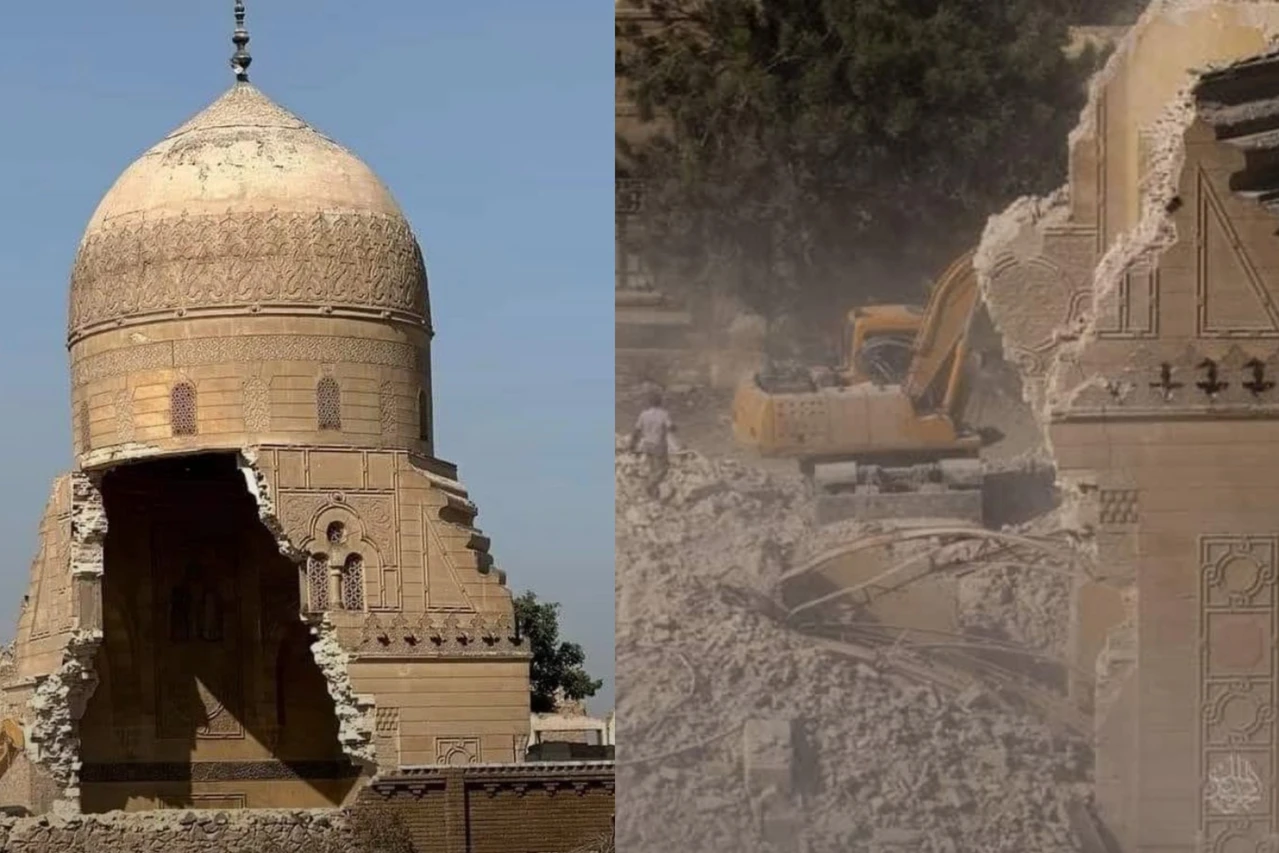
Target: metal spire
column 240, row 60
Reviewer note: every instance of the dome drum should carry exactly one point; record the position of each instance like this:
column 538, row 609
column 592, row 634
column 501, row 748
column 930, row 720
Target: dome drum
column 258, row 380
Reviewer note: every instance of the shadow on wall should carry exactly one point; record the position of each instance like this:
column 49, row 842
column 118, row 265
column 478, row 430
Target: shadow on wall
column 1017, row 497
column 208, row 695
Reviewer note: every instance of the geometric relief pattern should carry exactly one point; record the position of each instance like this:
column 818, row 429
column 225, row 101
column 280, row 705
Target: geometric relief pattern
column 1118, row 506
column 387, row 731
column 1237, row 735
column 84, row 431
column 257, row 405
column 328, row 404
column 353, row 582
column 317, row 577
column 1234, row 299
column 124, row 416
column 1131, row 309
column 246, row 261
column 388, row 420
column 457, row 751
column 183, row 416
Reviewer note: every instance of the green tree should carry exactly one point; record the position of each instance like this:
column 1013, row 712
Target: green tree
column 821, row 153
column 558, row 666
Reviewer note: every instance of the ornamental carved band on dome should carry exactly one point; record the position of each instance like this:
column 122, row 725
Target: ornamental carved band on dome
column 273, row 260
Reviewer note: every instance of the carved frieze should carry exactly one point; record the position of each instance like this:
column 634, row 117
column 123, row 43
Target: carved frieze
column 217, row 771
column 1191, row 380
column 433, row 635
column 250, row 262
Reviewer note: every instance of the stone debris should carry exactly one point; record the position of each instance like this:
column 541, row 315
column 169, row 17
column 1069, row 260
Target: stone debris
column 178, row 831
column 354, row 712
column 703, row 652
column 56, row 703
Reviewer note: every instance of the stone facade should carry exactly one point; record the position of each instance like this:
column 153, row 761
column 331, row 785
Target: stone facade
column 259, row 585
column 1139, row 306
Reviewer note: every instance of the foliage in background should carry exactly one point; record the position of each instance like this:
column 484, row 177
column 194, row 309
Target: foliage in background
column 822, row 153
column 558, row 666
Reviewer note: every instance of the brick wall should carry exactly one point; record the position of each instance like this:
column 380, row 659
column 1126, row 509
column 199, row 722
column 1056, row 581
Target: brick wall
column 500, row 808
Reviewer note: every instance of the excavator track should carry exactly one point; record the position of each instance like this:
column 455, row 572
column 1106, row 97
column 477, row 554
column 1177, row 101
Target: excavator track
column 943, row 489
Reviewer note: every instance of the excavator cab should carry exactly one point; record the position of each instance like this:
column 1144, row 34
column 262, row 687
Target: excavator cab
column 879, row 342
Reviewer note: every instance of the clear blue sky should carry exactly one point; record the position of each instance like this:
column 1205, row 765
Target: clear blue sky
column 491, row 121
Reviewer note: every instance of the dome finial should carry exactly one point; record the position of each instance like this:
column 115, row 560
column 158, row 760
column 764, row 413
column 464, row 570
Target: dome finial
column 241, row 60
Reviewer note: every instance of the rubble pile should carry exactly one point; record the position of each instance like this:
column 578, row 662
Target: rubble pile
column 702, row 649
column 1018, row 607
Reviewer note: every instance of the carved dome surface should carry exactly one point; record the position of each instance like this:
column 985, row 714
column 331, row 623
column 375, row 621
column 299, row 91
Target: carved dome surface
column 246, row 209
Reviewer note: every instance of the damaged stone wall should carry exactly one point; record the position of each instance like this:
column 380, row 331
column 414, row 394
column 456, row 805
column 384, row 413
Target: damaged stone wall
column 354, row 712
column 1134, row 302
column 59, row 633
column 434, row 601
column 181, row 832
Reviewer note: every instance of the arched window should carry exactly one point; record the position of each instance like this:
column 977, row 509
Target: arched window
column 424, row 416
column 182, row 413
column 317, row 583
column 353, row 583
column 328, row 403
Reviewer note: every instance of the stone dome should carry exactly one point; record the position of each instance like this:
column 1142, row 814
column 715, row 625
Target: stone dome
column 248, row 281
column 246, row 208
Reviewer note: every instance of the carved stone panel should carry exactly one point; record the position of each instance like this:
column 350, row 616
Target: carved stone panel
column 1234, row 298
column 344, row 530
column 387, row 743
column 257, row 405
column 124, row 422
column 1117, row 506
column 1131, row 310
column 1237, row 690
column 457, row 751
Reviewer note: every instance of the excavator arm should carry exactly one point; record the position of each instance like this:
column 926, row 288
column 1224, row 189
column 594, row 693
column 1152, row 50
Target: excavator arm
column 935, row 380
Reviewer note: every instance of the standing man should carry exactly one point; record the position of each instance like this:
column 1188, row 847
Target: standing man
column 652, row 437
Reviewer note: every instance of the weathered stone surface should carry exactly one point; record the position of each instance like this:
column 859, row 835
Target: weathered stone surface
column 180, row 832
column 1155, row 396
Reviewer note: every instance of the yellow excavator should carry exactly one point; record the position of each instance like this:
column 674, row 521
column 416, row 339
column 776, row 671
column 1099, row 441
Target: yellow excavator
column 879, row 435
